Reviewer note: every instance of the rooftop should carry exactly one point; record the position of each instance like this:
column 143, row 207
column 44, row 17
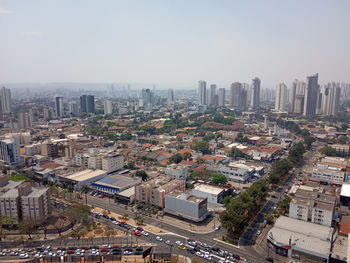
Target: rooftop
column 85, row 175
column 120, row 181
column 345, row 190
column 208, row 189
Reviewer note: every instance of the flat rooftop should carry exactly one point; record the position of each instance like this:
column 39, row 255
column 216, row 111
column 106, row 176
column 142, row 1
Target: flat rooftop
column 35, row 192
column 345, row 189
column 305, row 236
column 208, row 189
column 119, row 181
column 85, row 175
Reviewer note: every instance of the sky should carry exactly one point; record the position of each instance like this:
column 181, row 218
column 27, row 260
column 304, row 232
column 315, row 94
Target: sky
column 174, row 41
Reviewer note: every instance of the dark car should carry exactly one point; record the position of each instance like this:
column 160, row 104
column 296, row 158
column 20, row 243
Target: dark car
column 269, row 259
column 191, row 250
column 139, row 228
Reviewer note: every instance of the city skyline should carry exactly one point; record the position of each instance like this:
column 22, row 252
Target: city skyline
column 168, row 43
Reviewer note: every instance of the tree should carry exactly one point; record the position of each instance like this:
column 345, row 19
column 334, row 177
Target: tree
column 84, row 190
column 202, row 146
column 235, row 152
column 27, row 226
column 61, row 136
column 328, row 151
column 240, row 138
column 296, row 152
column 219, row 179
column 284, row 204
column 342, row 139
column 5, row 221
column 176, row 158
column 309, row 140
column 139, row 220
column 131, row 165
column 269, row 218
column 142, row 174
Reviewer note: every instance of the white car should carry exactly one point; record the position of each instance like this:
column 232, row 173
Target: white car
column 199, row 254
column 106, row 246
column 127, row 252
column 159, row 238
column 179, row 243
column 258, row 232
column 23, row 256
column 145, row 233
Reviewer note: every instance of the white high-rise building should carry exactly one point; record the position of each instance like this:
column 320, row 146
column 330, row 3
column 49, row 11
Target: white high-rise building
column 330, row 99
column 9, row 150
column 5, row 99
column 59, row 107
column 281, row 97
column 202, row 92
column 170, row 96
column 255, row 93
column 221, row 97
column 236, row 95
column 73, row 108
column 24, row 120
column 107, row 107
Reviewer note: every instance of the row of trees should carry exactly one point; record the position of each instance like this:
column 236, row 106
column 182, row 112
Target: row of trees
column 241, row 209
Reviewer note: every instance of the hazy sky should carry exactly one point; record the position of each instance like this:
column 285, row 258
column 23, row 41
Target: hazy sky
column 177, row 41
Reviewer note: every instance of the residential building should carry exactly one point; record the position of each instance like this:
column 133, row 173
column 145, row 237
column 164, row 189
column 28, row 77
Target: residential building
column 221, row 97
column 281, row 97
column 236, row 95
column 330, row 99
column 9, row 150
column 170, row 96
column 255, row 93
column 153, row 191
column 87, row 103
column 73, row 108
column 212, row 98
column 202, row 93
column 107, row 107
column 36, row 204
column 5, row 100
column 328, row 173
column 59, row 111
column 186, row 205
column 24, row 120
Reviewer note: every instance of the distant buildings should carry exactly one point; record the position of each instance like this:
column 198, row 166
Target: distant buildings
column 9, row 150
column 202, row 92
column 312, row 96
column 107, row 107
column 281, row 97
column 59, row 111
column 255, row 93
column 236, row 95
column 221, row 97
column 24, row 120
column 170, row 96
column 330, row 99
column 5, row 100
column 212, row 98
column 73, row 109
column 87, row 104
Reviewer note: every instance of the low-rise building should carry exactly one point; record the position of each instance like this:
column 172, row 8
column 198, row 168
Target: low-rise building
column 186, row 205
column 237, row 172
column 214, row 195
column 82, row 178
column 113, row 184
column 177, row 171
column 299, row 239
column 328, row 173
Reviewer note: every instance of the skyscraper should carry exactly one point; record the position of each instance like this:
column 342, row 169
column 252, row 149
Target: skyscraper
column 281, row 97
column 5, row 99
column 221, row 97
column 212, row 95
column 311, row 96
column 59, row 107
column 73, row 108
column 87, row 103
column 202, row 92
column 330, row 99
column 236, row 95
column 255, row 93
column 24, row 120
column 170, row 96
column 107, row 107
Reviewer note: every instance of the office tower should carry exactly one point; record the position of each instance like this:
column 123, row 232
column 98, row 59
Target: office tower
column 107, row 107
column 212, row 95
column 255, row 93
column 281, row 97
column 292, row 97
column 202, row 92
column 24, row 120
column 221, row 97
column 9, row 150
column 87, row 103
column 330, row 99
column 170, row 96
column 5, row 99
column 236, row 95
column 59, row 107
column 73, row 108
column 311, row 96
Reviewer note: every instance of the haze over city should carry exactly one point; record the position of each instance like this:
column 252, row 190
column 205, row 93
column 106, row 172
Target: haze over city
column 174, row 131
column 173, row 43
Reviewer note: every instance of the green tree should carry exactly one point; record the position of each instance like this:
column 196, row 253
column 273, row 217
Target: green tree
column 296, row 152
column 142, row 174
column 176, row 158
column 61, row 136
column 235, row 153
column 241, row 139
column 219, row 179
column 309, row 140
column 269, row 218
column 284, row 204
column 5, row 221
column 202, row 146
column 328, row 151
column 84, row 190
column 27, row 226
column 342, row 139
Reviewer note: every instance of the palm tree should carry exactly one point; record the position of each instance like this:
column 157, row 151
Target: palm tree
column 70, row 190
column 85, row 191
